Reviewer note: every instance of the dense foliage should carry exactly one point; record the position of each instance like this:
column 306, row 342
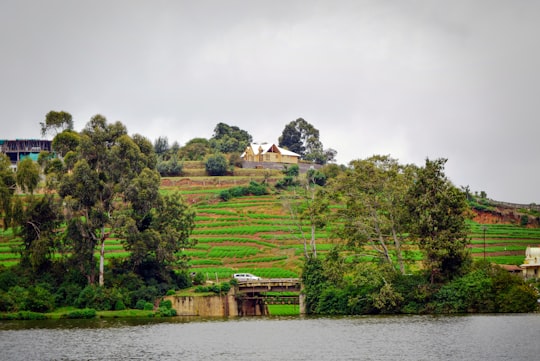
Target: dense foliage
column 105, row 186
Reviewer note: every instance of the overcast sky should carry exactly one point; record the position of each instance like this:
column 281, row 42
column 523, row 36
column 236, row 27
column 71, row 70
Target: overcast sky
column 413, row 79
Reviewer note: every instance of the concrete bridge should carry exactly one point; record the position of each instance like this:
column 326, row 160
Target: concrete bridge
column 248, row 298
column 252, row 299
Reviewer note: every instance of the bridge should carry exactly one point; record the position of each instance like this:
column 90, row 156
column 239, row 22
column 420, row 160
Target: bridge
column 253, row 300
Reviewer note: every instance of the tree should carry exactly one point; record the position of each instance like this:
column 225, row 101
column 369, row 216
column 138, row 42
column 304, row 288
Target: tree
column 161, row 145
column 7, row 188
column 66, row 141
column 228, row 139
column 301, row 137
column 437, row 211
column 372, row 192
column 107, row 162
column 308, row 207
column 28, row 175
column 216, row 165
column 38, row 225
column 195, row 149
column 56, row 122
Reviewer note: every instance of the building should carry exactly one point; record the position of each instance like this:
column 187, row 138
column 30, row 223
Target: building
column 531, row 265
column 19, row 149
column 269, row 153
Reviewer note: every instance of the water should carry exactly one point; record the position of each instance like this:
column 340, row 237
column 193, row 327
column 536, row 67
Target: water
column 475, row 337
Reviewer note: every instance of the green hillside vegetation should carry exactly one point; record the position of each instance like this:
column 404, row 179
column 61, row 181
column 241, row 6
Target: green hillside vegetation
column 105, row 232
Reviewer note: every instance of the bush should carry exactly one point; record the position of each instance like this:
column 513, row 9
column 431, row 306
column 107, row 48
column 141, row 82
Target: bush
column 39, row 299
column 216, row 165
column 165, row 303
column 199, row 278
column 148, row 306
column 292, row 171
column 119, row 305
column 316, row 177
column 140, row 304
column 286, row 182
column 225, row 195
column 518, row 298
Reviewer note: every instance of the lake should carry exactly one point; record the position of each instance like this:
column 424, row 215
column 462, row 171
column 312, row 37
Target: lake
column 469, row 337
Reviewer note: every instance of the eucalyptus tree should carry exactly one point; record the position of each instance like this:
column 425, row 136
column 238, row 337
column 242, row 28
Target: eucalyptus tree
column 56, row 122
column 27, row 175
column 94, row 190
column 7, row 189
column 308, row 205
column 438, row 213
column 372, row 192
column 301, row 137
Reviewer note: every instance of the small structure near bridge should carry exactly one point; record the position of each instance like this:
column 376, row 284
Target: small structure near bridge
column 531, row 265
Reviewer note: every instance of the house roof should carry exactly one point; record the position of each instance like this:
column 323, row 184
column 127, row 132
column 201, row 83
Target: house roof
column 269, row 147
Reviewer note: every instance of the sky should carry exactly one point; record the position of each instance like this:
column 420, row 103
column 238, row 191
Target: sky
column 410, row 78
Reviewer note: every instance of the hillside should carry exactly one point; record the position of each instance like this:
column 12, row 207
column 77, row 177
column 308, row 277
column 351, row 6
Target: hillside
column 256, row 234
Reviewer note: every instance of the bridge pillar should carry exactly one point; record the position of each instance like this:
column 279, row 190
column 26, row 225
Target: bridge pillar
column 302, row 303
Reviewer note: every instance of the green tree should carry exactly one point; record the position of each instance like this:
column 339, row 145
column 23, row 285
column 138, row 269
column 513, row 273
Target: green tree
column 228, row 139
column 56, row 121
column 308, row 206
column 38, row 226
column 7, row 189
column 437, row 211
column 161, row 145
column 195, row 149
column 28, row 175
column 66, row 141
column 216, row 165
column 374, row 213
column 301, row 137
column 107, row 162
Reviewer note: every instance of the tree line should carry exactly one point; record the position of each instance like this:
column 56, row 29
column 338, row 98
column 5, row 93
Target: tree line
column 227, row 143
column 381, row 210
column 104, row 185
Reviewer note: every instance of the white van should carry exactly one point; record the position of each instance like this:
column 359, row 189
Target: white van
column 242, row 277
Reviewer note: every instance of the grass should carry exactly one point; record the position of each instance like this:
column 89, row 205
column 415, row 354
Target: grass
column 283, row 310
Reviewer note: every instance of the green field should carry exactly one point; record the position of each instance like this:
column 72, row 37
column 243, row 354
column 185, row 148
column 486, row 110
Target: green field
column 256, row 235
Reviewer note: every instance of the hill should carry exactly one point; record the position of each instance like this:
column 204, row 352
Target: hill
column 255, row 234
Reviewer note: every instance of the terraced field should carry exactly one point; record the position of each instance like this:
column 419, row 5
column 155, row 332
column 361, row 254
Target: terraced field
column 256, row 235
column 502, row 243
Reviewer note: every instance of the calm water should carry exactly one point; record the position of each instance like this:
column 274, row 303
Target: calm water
column 478, row 337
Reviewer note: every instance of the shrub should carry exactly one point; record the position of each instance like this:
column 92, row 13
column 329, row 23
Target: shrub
column 39, row 299
column 148, row 306
column 518, row 298
column 286, row 182
column 81, row 314
column 316, row 177
column 257, row 189
column 199, row 278
column 165, row 303
column 140, row 304
column 292, row 171
column 225, row 195
column 216, row 165
column 119, row 305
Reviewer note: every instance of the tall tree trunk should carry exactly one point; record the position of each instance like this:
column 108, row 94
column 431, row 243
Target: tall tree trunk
column 397, row 244
column 102, row 263
column 312, row 243
column 102, row 238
